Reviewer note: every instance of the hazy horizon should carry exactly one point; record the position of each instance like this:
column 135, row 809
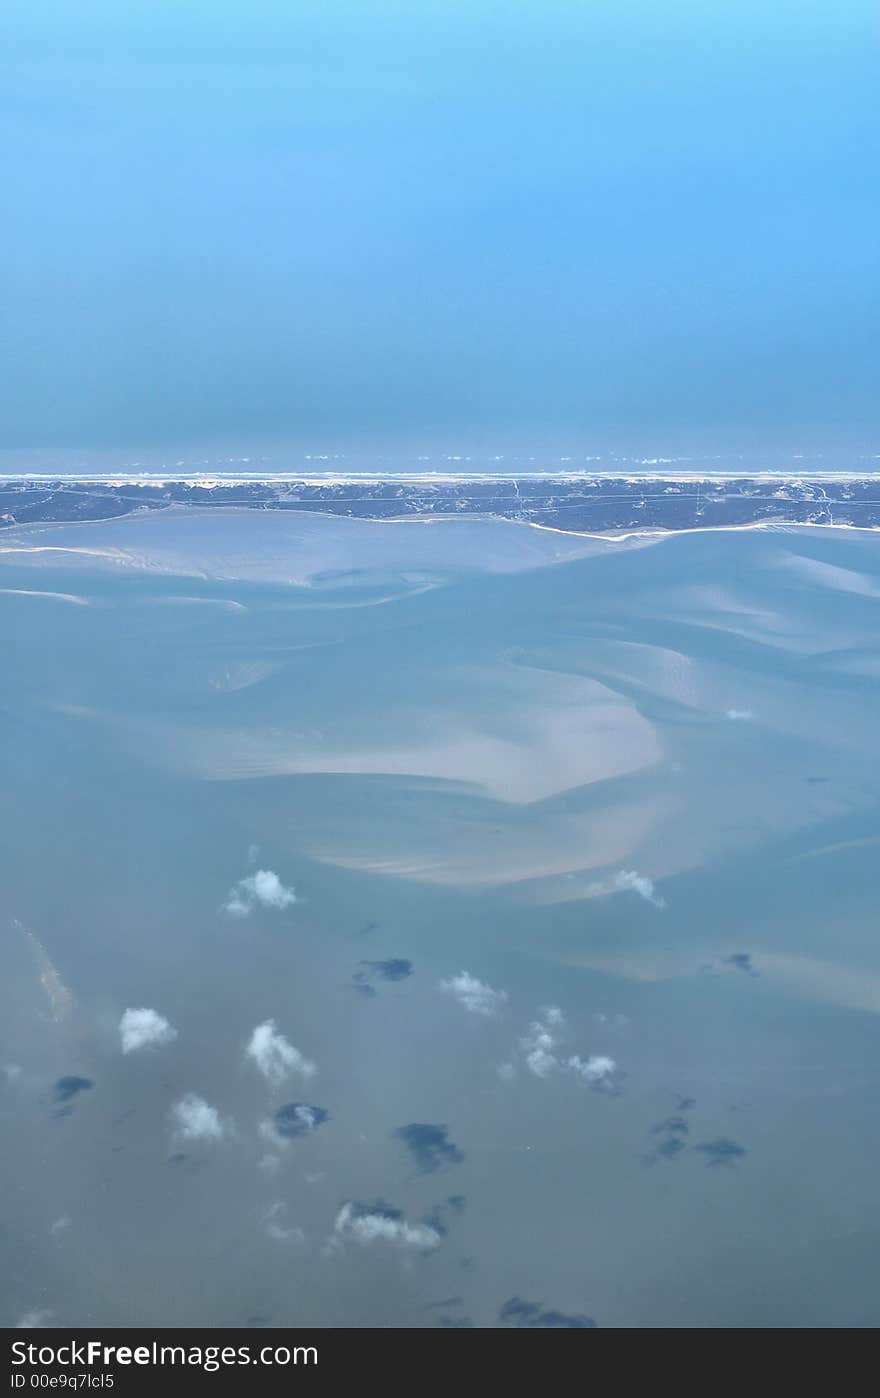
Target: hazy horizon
column 468, row 226
column 195, row 462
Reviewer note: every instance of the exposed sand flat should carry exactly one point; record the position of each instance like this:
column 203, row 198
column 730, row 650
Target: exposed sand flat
column 559, row 849
column 296, row 548
column 829, row 575
column 711, row 606
column 863, row 661
column 658, row 670
column 243, row 675
column 29, row 552
column 565, row 724
column 588, row 735
column 520, row 730
column 825, row 981
column 838, row 847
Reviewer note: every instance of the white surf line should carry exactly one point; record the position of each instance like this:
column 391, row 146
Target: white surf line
column 56, row 596
column 228, row 602
column 65, row 548
column 316, row 478
column 657, row 532
column 179, row 508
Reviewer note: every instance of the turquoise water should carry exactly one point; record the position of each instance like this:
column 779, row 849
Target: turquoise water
column 469, row 748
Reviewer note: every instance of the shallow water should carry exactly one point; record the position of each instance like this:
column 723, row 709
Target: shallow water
column 638, row 783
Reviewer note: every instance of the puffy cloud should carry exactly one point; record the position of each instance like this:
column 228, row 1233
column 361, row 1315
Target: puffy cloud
column 596, row 1071
column 367, row 1224
column 629, row 881
column 60, row 1225
column 735, row 714
column 262, row 889
column 195, row 1120
column 540, row 1046
column 430, row 1146
column 144, row 1029
column 475, row 995
column 275, row 1057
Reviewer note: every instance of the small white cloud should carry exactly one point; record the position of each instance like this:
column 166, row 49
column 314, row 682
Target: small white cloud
column 195, row 1120
column 597, row 1070
column 474, row 995
column 34, row 1320
column 266, row 888
column 144, row 1029
column 738, row 714
column 540, row 1043
column 539, row 1048
column 11, row 1072
column 506, row 1072
column 262, row 889
column 270, row 1164
column 627, row 881
column 60, row 1225
column 275, row 1057
column 236, row 905
column 277, row 1228
column 366, row 1226
column 275, row 1140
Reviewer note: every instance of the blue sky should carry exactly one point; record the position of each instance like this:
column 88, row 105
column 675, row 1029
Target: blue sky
column 421, row 226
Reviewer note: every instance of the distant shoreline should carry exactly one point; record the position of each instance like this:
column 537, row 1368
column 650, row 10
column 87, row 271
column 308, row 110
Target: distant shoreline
column 209, row 480
column 573, row 503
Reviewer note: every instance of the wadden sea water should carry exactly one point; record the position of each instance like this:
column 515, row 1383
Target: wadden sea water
column 544, row 867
